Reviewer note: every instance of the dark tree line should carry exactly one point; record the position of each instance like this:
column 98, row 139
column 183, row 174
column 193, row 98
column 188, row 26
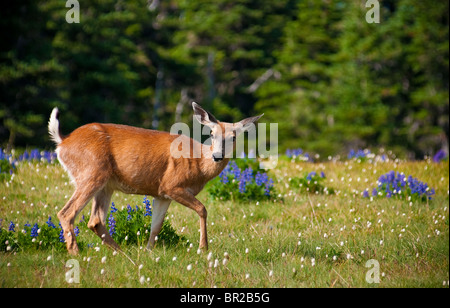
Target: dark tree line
column 330, row 79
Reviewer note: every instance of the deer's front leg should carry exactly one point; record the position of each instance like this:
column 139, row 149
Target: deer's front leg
column 186, row 198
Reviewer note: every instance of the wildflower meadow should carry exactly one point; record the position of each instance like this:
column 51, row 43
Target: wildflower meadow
column 356, row 220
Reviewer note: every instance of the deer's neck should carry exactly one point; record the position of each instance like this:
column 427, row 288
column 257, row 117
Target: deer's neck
column 209, row 167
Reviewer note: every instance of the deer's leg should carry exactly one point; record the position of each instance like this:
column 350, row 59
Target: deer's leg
column 97, row 222
column 79, row 199
column 159, row 210
column 186, row 198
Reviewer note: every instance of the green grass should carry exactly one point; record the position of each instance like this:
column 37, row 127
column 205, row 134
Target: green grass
column 298, row 240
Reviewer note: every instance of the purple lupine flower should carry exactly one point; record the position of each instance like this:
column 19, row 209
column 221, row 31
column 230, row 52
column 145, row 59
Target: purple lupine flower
column 310, row 175
column 261, row 178
column 113, row 208
column 24, row 156
column 366, row 194
column 297, row 153
column 224, row 177
column 294, row 153
column 11, row 227
column 111, row 224
column 374, row 192
column 430, row 193
column 388, row 192
column 246, row 178
column 439, row 156
column 358, row 154
column 269, row 185
column 50, row 223
column 61, row 234
column 351, row 154
column 148, row 207
column 129, row 210
column 34, row 230
column 234, row 169
column 396, row 183
column 224, row 174
column 35, row 154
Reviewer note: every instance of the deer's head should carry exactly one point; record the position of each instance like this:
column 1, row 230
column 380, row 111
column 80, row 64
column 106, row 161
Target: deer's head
column 223, row 135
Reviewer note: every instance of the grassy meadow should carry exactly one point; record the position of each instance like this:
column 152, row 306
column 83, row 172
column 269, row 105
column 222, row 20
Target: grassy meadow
column 298, row 239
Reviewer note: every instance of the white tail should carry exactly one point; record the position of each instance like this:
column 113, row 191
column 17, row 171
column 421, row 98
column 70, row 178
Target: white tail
column 102, row 158
column 53, row 126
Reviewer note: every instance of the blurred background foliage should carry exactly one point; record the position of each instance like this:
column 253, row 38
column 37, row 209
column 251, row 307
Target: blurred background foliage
column 330, row 79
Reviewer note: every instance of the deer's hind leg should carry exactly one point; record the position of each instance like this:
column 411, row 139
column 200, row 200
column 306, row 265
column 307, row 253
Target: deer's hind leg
column 97, row 222
column 79, row 199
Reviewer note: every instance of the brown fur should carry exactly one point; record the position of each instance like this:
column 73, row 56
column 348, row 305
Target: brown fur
column 102, row 158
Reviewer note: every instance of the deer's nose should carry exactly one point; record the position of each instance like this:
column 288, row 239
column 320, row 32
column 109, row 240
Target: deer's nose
column 217, row 157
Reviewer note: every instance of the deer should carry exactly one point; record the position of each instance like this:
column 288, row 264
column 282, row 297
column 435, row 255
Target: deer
column 103, row 158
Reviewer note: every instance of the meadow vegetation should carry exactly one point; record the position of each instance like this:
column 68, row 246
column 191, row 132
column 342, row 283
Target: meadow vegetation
column 300, row 235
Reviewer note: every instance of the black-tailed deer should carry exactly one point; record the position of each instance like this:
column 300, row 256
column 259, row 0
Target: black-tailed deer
column 102, row 158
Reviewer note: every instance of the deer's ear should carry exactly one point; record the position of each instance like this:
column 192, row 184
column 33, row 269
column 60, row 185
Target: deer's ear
column 247, row 123
column 203, row 116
